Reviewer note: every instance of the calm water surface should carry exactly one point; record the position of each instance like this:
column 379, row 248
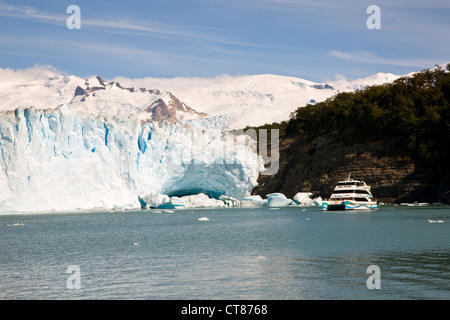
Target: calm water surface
column 289, row 253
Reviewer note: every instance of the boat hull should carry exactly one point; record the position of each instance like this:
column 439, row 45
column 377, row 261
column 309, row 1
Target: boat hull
column 348, row 205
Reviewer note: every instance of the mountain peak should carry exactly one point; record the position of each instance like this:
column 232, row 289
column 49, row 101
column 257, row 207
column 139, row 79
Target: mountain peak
column 46, row 89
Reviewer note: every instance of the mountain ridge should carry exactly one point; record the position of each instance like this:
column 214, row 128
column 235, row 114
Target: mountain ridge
column 235, row 101
column 255, row 100
column 94, row 95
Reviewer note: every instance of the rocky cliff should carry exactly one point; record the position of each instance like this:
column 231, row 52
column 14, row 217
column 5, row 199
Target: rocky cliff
column 316, row 166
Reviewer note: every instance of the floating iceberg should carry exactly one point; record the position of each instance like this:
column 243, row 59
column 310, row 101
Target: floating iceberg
column 202, row 201
column 317, row 201
column 173, row 203
column 278, row 200
column 274, row 200
column 60, row 160
column 230, row 201
column 153, row 200
column 304, row 199
column 161, row 201
column 253, row 201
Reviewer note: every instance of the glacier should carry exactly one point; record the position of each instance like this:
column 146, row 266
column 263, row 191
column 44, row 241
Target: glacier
column 66, row 160
column 84, row 144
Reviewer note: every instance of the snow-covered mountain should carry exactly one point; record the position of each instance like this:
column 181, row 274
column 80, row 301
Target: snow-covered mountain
column 48, row 90
column 68, row 143
column 242, row 101
column 224, row 102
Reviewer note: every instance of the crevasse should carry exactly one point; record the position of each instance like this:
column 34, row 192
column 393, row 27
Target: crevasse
column 60, row 160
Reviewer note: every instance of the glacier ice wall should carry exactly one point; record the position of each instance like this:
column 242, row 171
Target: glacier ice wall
column 59, row 160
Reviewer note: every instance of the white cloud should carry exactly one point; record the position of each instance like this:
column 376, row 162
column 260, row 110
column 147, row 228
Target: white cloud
column 368, row 57
column 36, row 72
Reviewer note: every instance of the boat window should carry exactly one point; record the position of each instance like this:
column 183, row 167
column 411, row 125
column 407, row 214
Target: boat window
column 346, row 184
column 361, row 199
column 351, row 191
column 352, row 183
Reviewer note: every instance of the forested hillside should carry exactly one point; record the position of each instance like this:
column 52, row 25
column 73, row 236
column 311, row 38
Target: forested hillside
column 401, row 129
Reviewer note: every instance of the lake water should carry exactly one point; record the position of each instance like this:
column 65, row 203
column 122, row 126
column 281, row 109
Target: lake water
column 289, row 253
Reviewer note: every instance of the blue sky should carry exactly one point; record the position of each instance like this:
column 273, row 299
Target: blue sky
column 311, row 39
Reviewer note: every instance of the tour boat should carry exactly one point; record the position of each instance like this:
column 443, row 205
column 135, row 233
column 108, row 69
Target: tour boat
column 350, row 195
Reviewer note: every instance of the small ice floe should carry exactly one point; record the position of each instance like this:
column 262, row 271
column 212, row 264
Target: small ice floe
column 253, row 201
column 440, row 221
column 203, row 219
column 431, row 221
column 260, row 257
column 136, row 244
column 274, row 208
column 415, row 204
column 307, row 219
column 14, row 224
column 162, row 211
